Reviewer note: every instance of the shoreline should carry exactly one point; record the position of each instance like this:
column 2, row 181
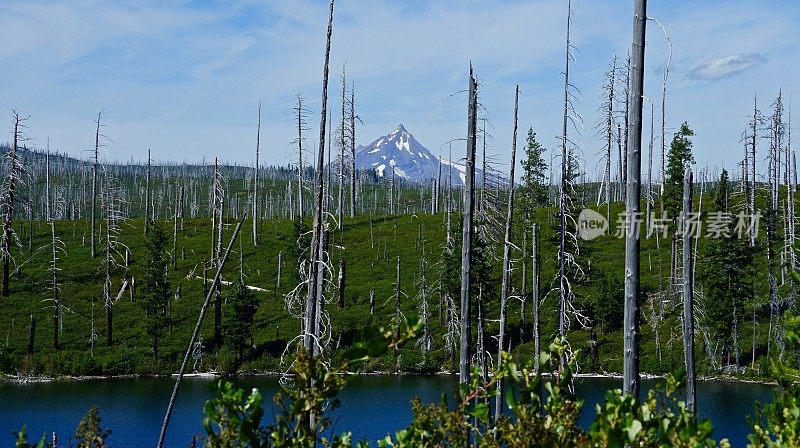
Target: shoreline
column 41, row 379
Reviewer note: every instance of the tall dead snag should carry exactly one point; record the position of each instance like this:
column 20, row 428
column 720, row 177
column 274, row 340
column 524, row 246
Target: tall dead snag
column 649, row 196
column 626, row 115
column 342, row 146
column 662, row 174
column 397, row 294
column 94, row 180
column 178, row 206
column 688, row 295
column 192, row 347
column 777, row 130
column 631, row 313
column 213, row 205
column 31, row 335
column 300, row 115
column 57, row 246
column 256, row 196
column 506, row 282
column 535, row 294
column 371, row 300
column 113, row 208
column 567, row 259
column 147, row 197
column 424, row 309
column 316, row 255
column 47, row 214
column 466, row 242
column 10, row 184
column 353, row 151
column 608, row 129
column 217, row 219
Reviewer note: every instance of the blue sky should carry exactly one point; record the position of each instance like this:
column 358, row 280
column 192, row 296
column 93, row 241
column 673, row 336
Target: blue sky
column 184, row 78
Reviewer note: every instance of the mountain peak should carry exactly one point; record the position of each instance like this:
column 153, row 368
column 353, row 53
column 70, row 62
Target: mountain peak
column 400, row 154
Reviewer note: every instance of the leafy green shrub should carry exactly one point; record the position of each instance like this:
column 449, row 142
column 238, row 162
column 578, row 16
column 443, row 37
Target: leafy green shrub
column 89, row 433
column 122, row 361
column 777, row 425
column 622, row 421
column 224, row 360
column 8, row 363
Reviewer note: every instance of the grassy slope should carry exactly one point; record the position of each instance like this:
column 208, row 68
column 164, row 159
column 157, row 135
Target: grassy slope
column 371, row 248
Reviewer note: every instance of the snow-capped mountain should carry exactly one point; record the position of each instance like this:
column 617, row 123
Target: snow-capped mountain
column 401, row 152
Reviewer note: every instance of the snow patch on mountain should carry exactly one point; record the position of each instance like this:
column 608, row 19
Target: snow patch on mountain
column 400, row 152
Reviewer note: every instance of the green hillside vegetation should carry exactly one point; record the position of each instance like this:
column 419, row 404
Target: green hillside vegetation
column 370, row 247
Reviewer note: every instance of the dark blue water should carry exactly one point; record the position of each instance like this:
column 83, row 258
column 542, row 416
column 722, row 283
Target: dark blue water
column 372, row 406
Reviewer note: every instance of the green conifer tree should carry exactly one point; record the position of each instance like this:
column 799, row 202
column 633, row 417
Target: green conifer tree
column 679, row 156
column 155, row 290
column 238, row 326
column 726, row 273
column 533, row 187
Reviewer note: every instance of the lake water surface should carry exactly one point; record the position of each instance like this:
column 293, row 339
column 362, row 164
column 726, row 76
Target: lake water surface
column 372, row 406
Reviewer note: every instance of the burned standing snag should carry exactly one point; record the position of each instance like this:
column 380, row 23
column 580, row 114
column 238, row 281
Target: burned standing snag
column 632, row 313
column 504, row 291
column 466, row 243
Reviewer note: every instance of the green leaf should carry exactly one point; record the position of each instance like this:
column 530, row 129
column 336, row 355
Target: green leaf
column 511, row 399
column 481, row 412
column 355, row 353
column 634, row 429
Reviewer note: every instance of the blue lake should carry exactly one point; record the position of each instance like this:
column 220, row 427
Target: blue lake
column 372, row 406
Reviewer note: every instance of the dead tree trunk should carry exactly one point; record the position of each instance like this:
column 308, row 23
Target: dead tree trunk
column 371, row 300
column 301, row 123
column 753, row 143
column 47, row 183
column 649, row 196
column 632, row 198
column 54, row 286
column 466, row 243
column 256, row 196
column 535, row 294
column 109, row 302
column 218, row 253
column 481, row 339
column 280, row 268
column 524, row 289
column 173, row 255
column 353, row 151
column 610, row 133
column 626, row 93
column 342, row 145
column 94, row 181
column 316, row 254
column 147, row 197
column 563, row 286
column 31, row 335
column 688, row 295
column 191, row 346
column 397, row 296
column 620, row 164
column 9, row 197
column 506, row 282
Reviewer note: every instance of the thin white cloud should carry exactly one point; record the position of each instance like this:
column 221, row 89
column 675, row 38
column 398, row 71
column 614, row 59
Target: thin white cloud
column 185, row 78
column 724, row 67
